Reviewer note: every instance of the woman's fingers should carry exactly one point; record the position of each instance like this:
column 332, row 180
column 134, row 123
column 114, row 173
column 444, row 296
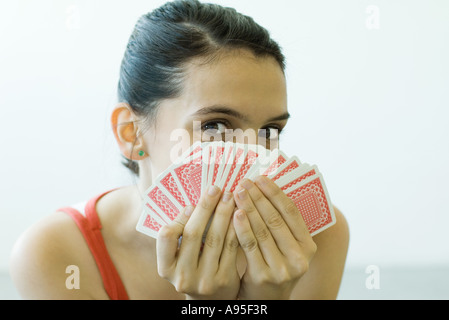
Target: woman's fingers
column 272, row 230
column 271, row 217
column 228, row 258
column 195, row 227
column 168, row 240
column 214, row 273
column 260, row 230
column 285, row 206
column 217, row 232
column 248, row 241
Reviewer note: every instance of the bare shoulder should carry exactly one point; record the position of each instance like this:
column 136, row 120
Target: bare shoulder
column 337, row 235
column 46, row 256
column 323, row 279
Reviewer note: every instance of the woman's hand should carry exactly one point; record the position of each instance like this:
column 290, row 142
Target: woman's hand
column 212, row 272
column 274, row 238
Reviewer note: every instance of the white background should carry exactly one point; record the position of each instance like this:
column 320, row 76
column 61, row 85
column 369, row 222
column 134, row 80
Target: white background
column 370, row 107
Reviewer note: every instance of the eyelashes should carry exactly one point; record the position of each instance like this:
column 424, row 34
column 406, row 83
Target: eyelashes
column 215, row 127
column 270, row 133
column 219, row 127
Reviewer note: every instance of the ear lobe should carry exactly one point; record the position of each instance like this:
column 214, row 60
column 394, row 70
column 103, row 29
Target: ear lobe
column 125, row 130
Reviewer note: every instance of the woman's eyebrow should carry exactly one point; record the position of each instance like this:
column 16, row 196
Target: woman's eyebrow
column 220, row 109
column 284, row 116
column 232, row 112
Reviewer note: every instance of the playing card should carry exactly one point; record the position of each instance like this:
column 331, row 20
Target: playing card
column 196, row 147
column 206, row 159
column 189, row 175
column 225, row 164
column 249, row 157
column 216, row 159
column 176, row 195
column 288, row 166
column 266, row 164
column 226, row 159
column 295, row 176
column 235, row 160
column 162, row 204
column 280, row 160
column 148, row 225
column 263, row 156
column 313, row 202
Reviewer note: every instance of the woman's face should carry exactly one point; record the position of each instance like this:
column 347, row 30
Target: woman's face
column 237, row 91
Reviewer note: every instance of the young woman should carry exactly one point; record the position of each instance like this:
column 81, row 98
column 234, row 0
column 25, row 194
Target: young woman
column 188, row 61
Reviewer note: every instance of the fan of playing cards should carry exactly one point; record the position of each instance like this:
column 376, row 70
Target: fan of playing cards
column 225, row 164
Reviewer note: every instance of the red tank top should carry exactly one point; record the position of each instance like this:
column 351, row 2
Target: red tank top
column 90, row 227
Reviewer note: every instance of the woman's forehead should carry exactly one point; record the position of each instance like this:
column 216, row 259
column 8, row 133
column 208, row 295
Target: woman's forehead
column 250, row 84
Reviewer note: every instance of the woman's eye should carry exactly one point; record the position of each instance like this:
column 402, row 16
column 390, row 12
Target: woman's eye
column 214, row 127
column 269, row 133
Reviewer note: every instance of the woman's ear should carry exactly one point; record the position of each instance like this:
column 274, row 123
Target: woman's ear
column 126, row 132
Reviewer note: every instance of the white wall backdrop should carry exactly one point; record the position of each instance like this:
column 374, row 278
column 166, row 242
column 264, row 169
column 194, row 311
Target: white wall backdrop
column 368, row 89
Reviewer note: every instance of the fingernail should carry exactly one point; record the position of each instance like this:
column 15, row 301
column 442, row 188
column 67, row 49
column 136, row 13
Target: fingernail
column 240, row 215
column 242, row 194
column 247, row 184
column 188, row 211
column 227, row 196
column 213, row 191
column 262, row 180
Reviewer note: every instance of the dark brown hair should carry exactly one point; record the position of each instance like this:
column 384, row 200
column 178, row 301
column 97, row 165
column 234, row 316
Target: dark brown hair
column 173, row 34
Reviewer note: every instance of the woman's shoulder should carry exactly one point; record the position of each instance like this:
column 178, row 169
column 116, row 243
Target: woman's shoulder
column 323, row 279
column 341, row 225
column 46, row 258
column 337, row 236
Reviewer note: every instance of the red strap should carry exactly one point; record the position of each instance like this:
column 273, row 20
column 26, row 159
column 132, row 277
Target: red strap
column 90, row 227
